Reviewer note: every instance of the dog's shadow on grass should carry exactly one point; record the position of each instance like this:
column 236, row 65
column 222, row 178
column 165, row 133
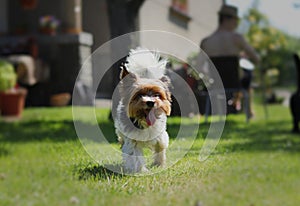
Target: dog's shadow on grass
column 97, row 172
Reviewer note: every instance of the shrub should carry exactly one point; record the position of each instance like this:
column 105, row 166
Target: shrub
column 8, row 76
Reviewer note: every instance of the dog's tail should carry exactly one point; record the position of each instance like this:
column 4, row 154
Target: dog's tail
column 145, row 63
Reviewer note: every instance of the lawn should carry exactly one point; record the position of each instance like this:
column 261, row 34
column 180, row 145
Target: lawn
column 42, row 162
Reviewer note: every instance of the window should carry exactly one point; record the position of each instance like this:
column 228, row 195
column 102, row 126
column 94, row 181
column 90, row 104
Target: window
column 178, row 13
column 180, row 6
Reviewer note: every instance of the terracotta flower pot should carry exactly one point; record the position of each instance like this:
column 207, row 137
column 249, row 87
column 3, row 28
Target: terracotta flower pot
column 60, row 100
column 12, row 102
column 28, row 4
column 48, row 31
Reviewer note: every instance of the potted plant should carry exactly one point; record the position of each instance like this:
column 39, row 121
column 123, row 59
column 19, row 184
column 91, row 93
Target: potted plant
column 12, row 99
column 48, row 24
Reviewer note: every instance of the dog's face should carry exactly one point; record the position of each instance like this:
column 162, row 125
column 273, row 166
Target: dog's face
column 145, row 99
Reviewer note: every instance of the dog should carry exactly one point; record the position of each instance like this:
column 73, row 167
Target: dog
column 145, row 103
column 295, row 100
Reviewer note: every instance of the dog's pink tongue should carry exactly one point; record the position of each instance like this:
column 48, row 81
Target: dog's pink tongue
column 151, row 118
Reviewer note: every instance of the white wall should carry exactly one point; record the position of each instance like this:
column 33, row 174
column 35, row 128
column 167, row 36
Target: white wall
column 154, row 15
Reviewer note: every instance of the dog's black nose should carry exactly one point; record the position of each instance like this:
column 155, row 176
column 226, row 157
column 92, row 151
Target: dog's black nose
column 150, row 104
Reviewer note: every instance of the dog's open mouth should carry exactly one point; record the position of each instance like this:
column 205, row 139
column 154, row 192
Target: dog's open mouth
column 146, row 117
column 150, row 117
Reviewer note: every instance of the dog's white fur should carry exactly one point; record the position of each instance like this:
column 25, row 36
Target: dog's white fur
column 144, row 68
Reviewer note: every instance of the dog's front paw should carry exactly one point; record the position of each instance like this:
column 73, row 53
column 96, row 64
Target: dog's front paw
column 131, row 170
column 159, row 160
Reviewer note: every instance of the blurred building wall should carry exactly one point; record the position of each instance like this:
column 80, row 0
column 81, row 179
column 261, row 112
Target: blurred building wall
column 3, row 16
column 95, row 21
column 201, row 16
column 156, row 15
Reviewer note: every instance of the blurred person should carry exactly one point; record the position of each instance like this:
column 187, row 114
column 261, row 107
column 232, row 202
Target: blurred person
column 225, row 41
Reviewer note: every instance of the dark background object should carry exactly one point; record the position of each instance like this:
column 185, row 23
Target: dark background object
column 295, row 99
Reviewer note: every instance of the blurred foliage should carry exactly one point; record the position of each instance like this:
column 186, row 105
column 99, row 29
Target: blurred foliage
column 267, row 41
column 8, row 76
column 274, row 47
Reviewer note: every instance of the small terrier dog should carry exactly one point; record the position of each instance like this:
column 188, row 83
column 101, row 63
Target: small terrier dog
column 145, row 103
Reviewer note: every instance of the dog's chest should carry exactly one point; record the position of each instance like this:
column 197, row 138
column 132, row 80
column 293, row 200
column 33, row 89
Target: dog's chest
column 124, row 125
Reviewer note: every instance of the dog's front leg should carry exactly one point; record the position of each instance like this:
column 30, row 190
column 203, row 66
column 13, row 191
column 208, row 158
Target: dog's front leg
column 133, row 157
column 160, row 150
column 159, row 156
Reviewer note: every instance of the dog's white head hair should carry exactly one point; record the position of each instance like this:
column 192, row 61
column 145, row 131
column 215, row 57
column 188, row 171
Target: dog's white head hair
column 146, row 64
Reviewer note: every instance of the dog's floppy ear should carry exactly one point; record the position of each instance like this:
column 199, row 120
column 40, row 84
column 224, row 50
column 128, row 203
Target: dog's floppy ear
column 123, row 72
column 166, row 80
column 126, row 77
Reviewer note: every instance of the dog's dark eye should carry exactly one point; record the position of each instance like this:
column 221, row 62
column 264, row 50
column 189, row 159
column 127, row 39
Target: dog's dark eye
column 157, row 95
column 140, row 96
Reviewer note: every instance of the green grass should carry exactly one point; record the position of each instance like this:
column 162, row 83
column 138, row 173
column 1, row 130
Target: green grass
column 42, row 162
